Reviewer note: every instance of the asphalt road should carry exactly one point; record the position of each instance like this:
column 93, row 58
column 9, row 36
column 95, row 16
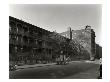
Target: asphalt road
column 56, row 71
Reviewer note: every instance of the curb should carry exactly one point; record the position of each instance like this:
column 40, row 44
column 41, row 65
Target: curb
column 36, row 66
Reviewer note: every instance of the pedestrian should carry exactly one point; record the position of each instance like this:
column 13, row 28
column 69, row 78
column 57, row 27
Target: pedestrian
column 100, row 69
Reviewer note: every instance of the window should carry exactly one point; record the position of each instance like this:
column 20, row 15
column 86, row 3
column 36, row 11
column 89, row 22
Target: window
column 25, row 29
column 25, row 39
column 36, row 41
column 14, row 30
column 39, row 50
column 49, row 51
column 12, row 24
column 18, row 49
column 35, row 30
column 40, row 43
column 19, row 38
column 10, row 48
column 15, row 48
column 13, row 36
column 19, row 27
column 9, row 37
column 9, row 28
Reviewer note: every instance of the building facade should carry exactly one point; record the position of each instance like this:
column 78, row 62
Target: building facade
column 31, row 44
column 84, row 40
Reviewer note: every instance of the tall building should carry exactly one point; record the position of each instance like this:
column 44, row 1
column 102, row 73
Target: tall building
column 84, row 38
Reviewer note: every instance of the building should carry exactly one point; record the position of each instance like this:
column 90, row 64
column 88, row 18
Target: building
column 98, row 51
column 63, row 43
column 29, row 44
column 84, row 40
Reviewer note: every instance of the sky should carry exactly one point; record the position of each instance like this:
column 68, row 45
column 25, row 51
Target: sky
column 54, row 17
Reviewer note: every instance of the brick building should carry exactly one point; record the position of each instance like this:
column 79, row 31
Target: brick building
column 32, row 44
column 29, row 43
column 84, row 40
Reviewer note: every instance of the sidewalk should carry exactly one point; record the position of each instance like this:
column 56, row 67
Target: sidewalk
column 88, row 61
column 38, row 65
column 35, row 65
column 95, row 62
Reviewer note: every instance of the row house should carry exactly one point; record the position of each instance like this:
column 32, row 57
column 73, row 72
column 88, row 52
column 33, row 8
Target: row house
column 29, row 43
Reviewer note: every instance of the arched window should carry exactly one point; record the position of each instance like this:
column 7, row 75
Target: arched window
column 19, row 26
column 13, row 27
column 25, row 29
column 12, row 24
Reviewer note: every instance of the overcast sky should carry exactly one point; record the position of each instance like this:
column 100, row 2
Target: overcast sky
column 60, row 17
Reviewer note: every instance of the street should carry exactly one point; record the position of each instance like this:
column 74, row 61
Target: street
column 74, row 70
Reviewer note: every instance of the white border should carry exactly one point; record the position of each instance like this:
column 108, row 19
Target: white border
column 56, row 1
column 4, row 41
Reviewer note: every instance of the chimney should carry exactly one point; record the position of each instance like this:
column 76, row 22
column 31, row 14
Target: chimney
column 70, row 33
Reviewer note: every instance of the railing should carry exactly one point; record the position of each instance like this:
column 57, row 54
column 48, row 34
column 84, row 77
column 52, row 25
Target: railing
column 12, row 32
